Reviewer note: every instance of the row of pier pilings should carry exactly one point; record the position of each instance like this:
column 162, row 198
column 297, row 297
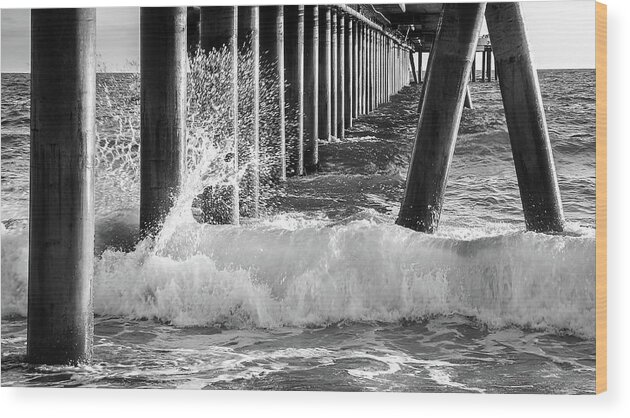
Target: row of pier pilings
column 336, row 65
column 486, row 66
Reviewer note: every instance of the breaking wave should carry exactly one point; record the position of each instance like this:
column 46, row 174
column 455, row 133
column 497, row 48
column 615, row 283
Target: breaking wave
column 275, row 274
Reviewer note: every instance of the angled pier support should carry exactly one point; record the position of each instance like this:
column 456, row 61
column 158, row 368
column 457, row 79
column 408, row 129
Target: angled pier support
column 468, row 104
column 413, row 67
column 294, row 73
column 218, row 28
column 311, row 88
column 163, row 64
column 452, row 55
column 61, row 212
column 525, row 116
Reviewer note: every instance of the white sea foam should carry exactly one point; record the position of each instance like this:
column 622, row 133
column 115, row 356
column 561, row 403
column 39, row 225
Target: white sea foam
column 269, row 276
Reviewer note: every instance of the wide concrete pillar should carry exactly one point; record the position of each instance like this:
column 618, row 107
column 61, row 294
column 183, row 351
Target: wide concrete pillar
column 163, row 65
column 325, row 60
column 453, row 51
column 311, row 87
column 61, row 208
column 294, row 72
column 218, row 28
column 525, row 116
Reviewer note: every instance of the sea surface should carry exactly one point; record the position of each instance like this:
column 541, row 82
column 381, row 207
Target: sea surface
column 324, row 291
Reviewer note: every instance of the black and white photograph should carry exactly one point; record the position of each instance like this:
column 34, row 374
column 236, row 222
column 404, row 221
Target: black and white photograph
column 322, row 197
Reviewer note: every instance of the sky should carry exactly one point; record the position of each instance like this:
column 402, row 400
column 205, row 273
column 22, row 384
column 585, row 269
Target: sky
column 561, row 35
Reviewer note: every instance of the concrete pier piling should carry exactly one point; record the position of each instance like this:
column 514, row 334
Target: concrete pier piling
column 364, row 70
column 272, row 51
column 453, row 50
column 325, row 56
column 342, row 48
column 420, row 66
column 348, row 73
column 249, row 30
column 468, row 104
column 381, row 65
column 370, row 71
column 483, row 65
column 525, row 116
column 282, row 175
column 355, row 69
column 163, row 64
column 218, row 28
column 294, row 72
column 489, row 65
column 311, row 87
column 61, row 211
column 389, row 69
column 413, row 67
column 334, row 73
column 361, row 92
column 193, row 22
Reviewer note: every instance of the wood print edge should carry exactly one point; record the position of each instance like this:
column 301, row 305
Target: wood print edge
column 601, row 198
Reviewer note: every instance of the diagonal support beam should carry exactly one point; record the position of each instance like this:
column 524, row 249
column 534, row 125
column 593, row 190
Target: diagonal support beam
column 451, row 62
column 525, row 118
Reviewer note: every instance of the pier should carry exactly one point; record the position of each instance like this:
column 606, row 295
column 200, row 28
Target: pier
column 334, row 64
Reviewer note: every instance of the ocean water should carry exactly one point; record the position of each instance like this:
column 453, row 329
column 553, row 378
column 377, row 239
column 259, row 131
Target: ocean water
column 324, row 291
